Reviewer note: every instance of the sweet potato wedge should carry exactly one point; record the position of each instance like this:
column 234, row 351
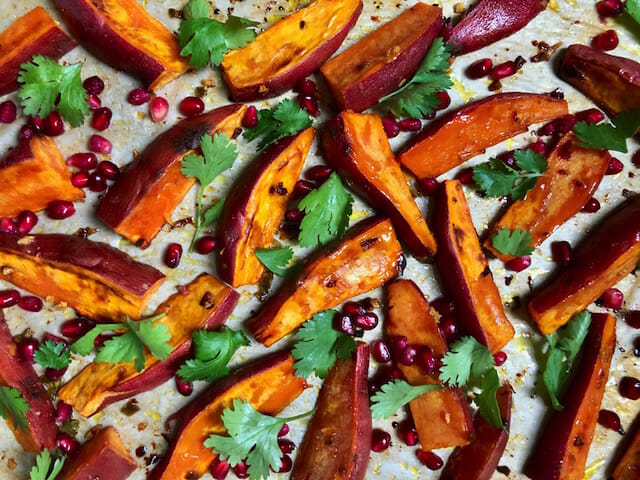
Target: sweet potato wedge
column 37, row 174
column 338, row 438
column 268, row 384
column 357, row 146
column 442, row 417
column 104, row 457
column 290, row 50
column 383, row 60
column 628, row 466
column 256, row 205
column 612, row 82
column 122, row 34
column 466, row 132
column 146, row 193
column 464, row 270
column 479, row 459
column 562, row 449
column 492, row 20
column 34, row 33
column 18, row 374
column 205, row 304
column 366, row 258
column 571, row 179
column 93, row 278
column 610, row 252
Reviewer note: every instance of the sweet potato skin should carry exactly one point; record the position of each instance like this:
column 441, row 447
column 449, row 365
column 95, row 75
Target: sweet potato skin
column 94, row 278
column 468, row 131
column 147, row 192
column 35, row 33
column 610, row 252
column 383, row 60
column 571, row 179
column 628, row 466
column 465, row 272
column 338, row 438
column 561, row 451
column 256, row 205
column 442, row 417
column 357, row 146
column 368, row 256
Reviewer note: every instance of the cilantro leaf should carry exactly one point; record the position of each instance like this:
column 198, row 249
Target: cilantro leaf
column 632, row 7
column 52, row 354
column 319, row 344
column 277, row 259
column 327, row 211
column 517, row 242
column 212, row 214
column 196, row 9
column 84, row 344
column 13, row 405
column 213, row 350
column 487, row 401
column 43, row 80
column 288, row 118
column 43, row 470
column 605, row 136
column 394, row 395
column 466, row 359
column 497, row 179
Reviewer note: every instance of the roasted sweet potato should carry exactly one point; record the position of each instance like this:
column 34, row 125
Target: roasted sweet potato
column 34, row 33
column 628, row 466
column 256, row 205
column 104, row 456
column 18, row 374
column 206, row 303
column 612, row 82
column 442, row 417
column 562, row 449
column 492, row 20
column 268, row 384
column 466, row 132
column 146, row 193
column 37, row 174
column 357, row 146
column 290, row 50
column 122, row 34
column 464, row 270
column 479, row 459
column 338, row 438
column 572, row 177
column 365, row 259
column 383, row 60
column 93, row 278
column 609, row 253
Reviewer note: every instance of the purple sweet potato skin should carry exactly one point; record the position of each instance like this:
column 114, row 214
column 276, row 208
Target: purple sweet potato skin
column 17, row 154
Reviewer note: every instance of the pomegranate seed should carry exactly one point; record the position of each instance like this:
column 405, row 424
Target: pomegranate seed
column 102, row 339
column 8, row 112
column 368, row 321
column 219, row 469
column 206, row 244
column 241, row 469
column 30, row 303
column 97, row 182
column 630, row 388
column 7, row 225
column 27, row 349
column 286, row 445
column 9, row 298
column 83, row 161
column 342, row 323
column 286, row 465
column 93, row 85
column 410, row 125
column 499, row 358
column 26, row 221
column 283, row 430
column 444, row 306
column 99, row 144
column 408, row 356
column 445, row 100
column 303, row 188
column 407, row 433
column 426, row 360
column 591, row 206
column 94, row 102
column 54, row 374
column 565, row 123
column 66, row 443
column 310, row 104
column 25, row 133
column 191, row 106
column 508, row 158
column 36, row 124
column 138, row 96
column 63, row 411
column 158, row 109
column 548, row 129
column 612, row 298
column 101, row 118
column 538, row 147
column 610, row 420
column 294, row 215
column 380, row 440
column 55, row 338
column 398, row 344
column 319, row 173
column 391, row 127
column 76, row 327
column 561, row 252
column 380, row 351
column 615, row 166
column 184, row 388
column 353, row 308
column 479, row 69
column 632, row 318
column 636, row 347
column 172, row 255
column 428, row 186
column 609, row 8
column 518, row 264
column 465, row 176
column 250, row 118
column 449, row 328
column 605, row 41
column 636, row 158
column 307, row 88
column 59, row 209
column 429, row 459
column 80, row 179
column 109, row 169
column 503, row 70
column 591, row 115
column 53, row 124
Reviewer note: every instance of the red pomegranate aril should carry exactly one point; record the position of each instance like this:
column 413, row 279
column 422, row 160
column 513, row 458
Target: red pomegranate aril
column 591, row 115
column 83, row 161
column 610, row 420
column 30, row 303
column 508, row 158
column 565, row 123
column 80, row 179
column 538, row 147
column 286, row 445
column 286, row 465
column 518, row 264
column 303, row 188
column 561, row 252
column 8, row 112
column 609, row 8
column 632, row 317
column 99, row 144
column 36, row 124
column 499, row 358
column 55, row 338
column 410, row 124
column 342, row 323
column 398, row 344
column 380, row 351
column 548, row 129
column 250, row 118
column 206, row 244
column 97, row 182
column 380, row 440
column 60, row 209
column 93, row 85
column 172, row 255
column 465, row 176
column 63, row 411
column 138, row 96
column 428, row 186
column 101, row 118
column 318, row 173
column 408, row 356
column 612, row 298
column 9, row 298
column 503, row 70
column 449, row 328
column 53, row 124
column 426, row 360
column 592, row 206
column 407, row 433
column 429, row 459
column 283, row 430
column 629, row 387
column 307, row 88
column 26, row 133
column 391, row 127
column 66, row 443
column 76, row 327
column 479, row 69
column 219, row 469
column 445, row 100
column 184, row 388
column 605, row 41
column 353, row 308
column 615, row 166
column 54, row 374
column 7, row 225
column 294, row 215
column 241, row 469
column 310, row 104
column 636, row 159
column 108, row 169
column 191, row 106
column 27, row 349
column 636, row 347
column 158, row 109
column 101, row 339
column 368, row 321
column 94, row 102
column 26, row 221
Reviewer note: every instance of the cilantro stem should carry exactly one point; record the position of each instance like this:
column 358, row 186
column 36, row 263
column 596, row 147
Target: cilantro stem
column 298, row 417
column 196, row 234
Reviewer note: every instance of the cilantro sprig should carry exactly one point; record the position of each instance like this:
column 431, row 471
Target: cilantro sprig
column 52, row 354
column 286, row 119
column 418, row 97
column 46, row 468
column 13, row 404
column 605, row 136
column 319, row 344
column 44, row 82
column 252, row 435
column 497, row 179
column 196, row 9
column 394, row 395
column 632, row 7
column 517, row 242
column 213, row 350
column 276, row 260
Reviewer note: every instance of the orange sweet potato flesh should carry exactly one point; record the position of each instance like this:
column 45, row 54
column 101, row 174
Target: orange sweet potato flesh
column 442, row 417
column 268, row 384
column 628, row 467
column 609, row 253
column 357, row 146
column 562, row 449
column 571, row 179
column 467, row 132
column 203, row 303
column 365, row 259
column 464, row 270
column 104, row 456
column 37, row 174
